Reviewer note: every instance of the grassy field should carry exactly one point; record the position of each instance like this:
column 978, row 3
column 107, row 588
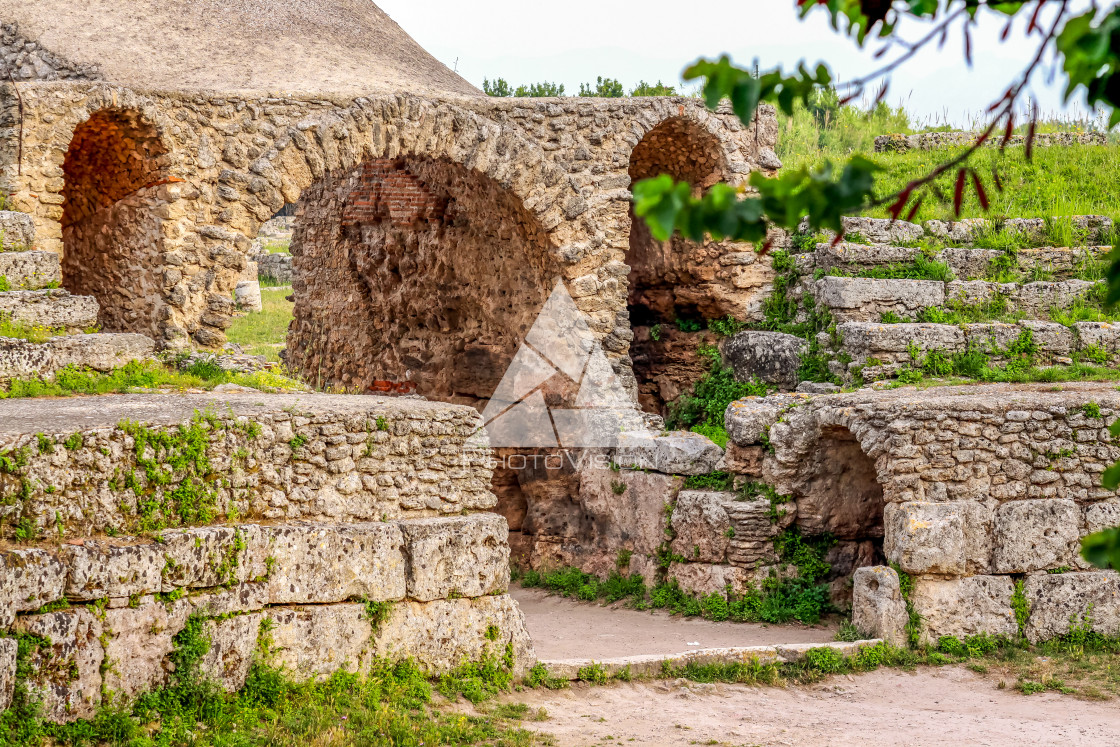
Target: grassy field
column 1058, row 181
column 264, row 333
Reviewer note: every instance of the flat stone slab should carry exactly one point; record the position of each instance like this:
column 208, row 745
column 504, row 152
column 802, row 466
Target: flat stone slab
column 867, row 299
column 651, row 666
column 53, row 308
column 17, row 231
column 322, row 458
column 674, row 453
column 101, row 352
column 30, row 270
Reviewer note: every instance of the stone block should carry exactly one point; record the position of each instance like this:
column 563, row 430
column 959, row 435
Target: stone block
column 65, row 675
column 877, row 604
column 8, row 650
column 314, row 642
column 882, row 230
column 445, row 633
column 676, row 453
column 1103, row 335
column 1032, row 535
column 213, row 556
column 701, row 525
column 925, row 537
column 233, row 641
column 462, row 555
column 103, row 569
column 1052, row 338
column 17, row 231
column 848, row 257
column 750, row 418
column 1056, row 600
column 867, row 299
column 863, row 340
column 138, row 643
column 702, row 579
column 320, row 563
column 1102, row 515
column 101, row 352
column 773, row 357
column 964, row 606
column 247, row 296
column 30, row 270
column 969, row 263
column 626, row 509
column 28, row 580
column 53, row 308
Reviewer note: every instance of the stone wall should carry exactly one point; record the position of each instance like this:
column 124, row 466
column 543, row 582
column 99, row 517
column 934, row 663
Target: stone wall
column 29, row 61
column 288, row 519
column 231, row 163
column 934, row 140
column 971, row 489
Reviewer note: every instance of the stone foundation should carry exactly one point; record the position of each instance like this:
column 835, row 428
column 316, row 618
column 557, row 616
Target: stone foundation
column 285, row 515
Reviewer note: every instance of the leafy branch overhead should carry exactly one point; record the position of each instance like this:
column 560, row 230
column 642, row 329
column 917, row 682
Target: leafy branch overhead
column 1086, row 45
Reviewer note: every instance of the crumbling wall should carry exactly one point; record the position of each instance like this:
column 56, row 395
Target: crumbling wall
column 28, row 60
column 984, row 488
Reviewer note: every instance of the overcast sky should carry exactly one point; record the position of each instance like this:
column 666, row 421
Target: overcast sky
column 573, row 41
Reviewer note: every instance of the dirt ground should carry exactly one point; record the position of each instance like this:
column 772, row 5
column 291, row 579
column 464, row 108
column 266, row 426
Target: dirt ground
column 944, row 706
column 567, row 629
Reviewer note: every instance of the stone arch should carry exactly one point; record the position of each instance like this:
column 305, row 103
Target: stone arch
column 116, row 187
column 838, row 492
column 415, row 274
column 668, row 279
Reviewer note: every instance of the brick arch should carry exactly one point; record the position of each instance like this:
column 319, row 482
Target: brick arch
column 115, row 190
column 415, row 274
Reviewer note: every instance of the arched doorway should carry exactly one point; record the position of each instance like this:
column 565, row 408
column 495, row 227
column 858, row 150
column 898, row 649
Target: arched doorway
column 114, row 172
column 666, row 302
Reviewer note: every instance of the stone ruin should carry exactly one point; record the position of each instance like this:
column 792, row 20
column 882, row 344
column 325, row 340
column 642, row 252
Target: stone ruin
column 432, row 224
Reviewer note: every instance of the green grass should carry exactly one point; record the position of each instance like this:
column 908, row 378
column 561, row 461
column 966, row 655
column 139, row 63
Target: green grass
column 264, row 333
column 388, row 704
column 72, row 381
column 30, row 332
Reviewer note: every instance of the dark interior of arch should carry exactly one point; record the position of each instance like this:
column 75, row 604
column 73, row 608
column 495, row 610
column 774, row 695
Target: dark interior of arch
column 114, row 175
column 839, row 494
column 666, row 281
column 414, row 275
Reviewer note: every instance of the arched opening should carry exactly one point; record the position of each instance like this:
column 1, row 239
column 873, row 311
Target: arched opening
column 414, row 275
column 839, row 494
column 114, row 173
column 668, row 298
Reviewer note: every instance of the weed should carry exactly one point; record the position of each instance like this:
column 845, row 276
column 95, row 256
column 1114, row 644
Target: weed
column 539, row 677
column 718, row 481
column 618, row 487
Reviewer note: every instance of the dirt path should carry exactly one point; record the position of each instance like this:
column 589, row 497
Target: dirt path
column 946, row 706
column 567, row 629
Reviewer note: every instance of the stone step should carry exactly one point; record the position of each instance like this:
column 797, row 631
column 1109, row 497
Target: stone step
column 54, row 309
column 30, row 270
column 965, row 263
column 17, row 231
column 868, row 299
column 20, row 359
column 883, row 349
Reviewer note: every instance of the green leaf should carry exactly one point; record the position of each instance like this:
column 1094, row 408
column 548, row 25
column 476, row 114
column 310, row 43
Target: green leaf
column 1102, row 549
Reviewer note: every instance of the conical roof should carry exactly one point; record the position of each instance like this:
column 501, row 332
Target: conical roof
column 346, row 47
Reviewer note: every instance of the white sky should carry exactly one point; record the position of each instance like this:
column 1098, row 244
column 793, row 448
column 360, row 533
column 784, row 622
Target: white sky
column 573, row 41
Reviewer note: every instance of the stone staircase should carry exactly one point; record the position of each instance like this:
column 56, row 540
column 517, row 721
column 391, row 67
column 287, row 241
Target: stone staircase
column 31, row 300
column 886, row 320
